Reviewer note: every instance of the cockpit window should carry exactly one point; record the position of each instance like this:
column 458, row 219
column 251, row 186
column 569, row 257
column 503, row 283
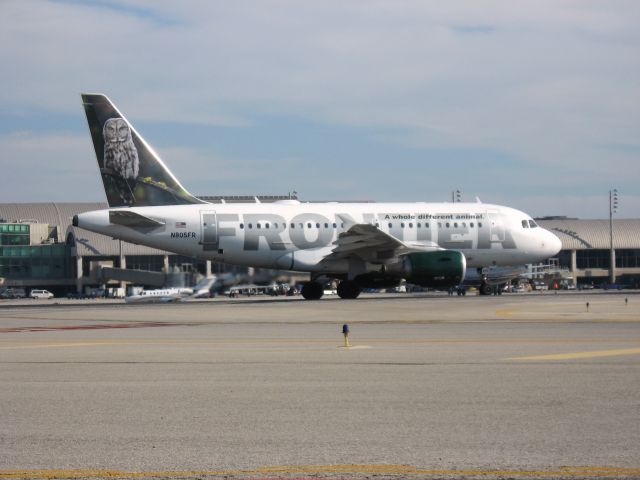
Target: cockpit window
column 532, row 224
column 525, row 224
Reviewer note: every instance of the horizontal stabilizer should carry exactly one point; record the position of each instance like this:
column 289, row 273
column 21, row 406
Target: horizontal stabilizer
column 132, row 219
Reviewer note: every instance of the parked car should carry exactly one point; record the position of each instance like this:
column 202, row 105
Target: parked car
column 46, row 294
column 13, row 293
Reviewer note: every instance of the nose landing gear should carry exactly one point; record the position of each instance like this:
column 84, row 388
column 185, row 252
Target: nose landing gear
column 485, row 288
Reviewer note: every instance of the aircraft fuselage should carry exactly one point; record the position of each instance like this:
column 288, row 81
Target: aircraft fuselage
column 297, row 236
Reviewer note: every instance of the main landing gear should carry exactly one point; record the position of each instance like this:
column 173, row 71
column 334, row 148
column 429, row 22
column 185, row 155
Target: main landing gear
column 348, row 289
column 312, row 291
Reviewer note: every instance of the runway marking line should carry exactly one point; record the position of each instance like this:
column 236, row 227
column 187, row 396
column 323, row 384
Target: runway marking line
column 58, row 345
column 578, row 355
column 563, row 472
column 4, row 345
column 105, row 326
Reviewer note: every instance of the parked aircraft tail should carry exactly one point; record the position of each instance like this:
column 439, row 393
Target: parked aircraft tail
column 132, row 173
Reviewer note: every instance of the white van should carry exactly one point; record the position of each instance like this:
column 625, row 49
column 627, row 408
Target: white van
column 41, row 294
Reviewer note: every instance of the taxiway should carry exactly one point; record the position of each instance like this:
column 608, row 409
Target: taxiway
column 433, row 386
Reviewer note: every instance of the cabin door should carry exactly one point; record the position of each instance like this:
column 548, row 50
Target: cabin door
column 209, row 230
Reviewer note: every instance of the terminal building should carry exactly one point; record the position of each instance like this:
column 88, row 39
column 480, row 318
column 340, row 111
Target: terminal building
column 40, row 248
column 586, row 249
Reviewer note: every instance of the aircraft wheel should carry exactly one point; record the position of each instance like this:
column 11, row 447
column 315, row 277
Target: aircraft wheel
column 312, row 291
column 485, row 289
column 348, row 289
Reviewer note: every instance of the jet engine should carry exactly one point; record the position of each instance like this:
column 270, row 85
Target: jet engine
column 439, row 269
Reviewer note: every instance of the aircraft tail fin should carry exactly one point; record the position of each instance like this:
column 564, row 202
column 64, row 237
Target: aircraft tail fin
column 203, row 287
column 132, row 173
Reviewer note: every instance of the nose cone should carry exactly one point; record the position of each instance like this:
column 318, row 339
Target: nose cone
column 552, row 244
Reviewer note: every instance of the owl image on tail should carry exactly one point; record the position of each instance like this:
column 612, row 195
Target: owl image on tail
column 120, row 153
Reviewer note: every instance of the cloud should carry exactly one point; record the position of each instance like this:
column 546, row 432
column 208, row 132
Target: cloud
column 550, row 85
column 49, row 167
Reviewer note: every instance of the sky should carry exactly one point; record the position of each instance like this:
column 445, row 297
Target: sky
column 530, row 104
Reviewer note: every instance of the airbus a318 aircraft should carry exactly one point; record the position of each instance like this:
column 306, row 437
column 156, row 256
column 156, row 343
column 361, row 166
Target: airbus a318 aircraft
column 363, row 245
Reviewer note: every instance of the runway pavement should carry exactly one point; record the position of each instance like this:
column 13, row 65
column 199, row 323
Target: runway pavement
column 522, row 386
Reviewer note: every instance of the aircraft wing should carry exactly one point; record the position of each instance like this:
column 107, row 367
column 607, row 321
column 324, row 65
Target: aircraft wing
column 369, row 243
column 132, row 219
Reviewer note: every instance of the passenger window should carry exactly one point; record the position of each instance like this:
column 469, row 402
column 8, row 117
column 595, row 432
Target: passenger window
column 418, row 225
column 241, row 226
column 266, row 225
column 479, row 224
column 326, row 225
column 439, row 225
column 377, row 225
column 402, row 225
column 455, row 225
column 471, row 224
column 317, row 225
column 335, row 226
column 250, row 226
column 309, row 225
column 293, row 225
column 258, row 225
column 448, row 224
column 391, row 225
column 410, row 225
column 525, row 224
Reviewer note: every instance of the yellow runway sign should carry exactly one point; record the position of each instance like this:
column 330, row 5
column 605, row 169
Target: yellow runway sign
column 577, row 355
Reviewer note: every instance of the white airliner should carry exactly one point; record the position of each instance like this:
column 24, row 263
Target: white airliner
column 364, row 245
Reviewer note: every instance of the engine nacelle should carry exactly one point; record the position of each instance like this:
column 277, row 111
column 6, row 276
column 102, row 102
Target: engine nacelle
column 439, row 269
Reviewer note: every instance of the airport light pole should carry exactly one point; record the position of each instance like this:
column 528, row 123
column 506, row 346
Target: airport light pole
column 613, row 208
